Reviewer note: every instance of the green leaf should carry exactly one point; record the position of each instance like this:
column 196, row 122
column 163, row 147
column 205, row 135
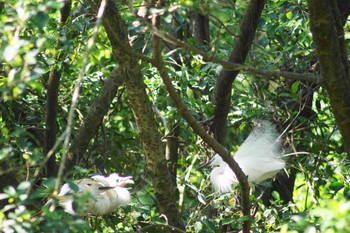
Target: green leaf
column 145, row 198
column 295, row 87
column 244, row 218
column 276, row 195
column 289, row 15
column 227, row 221
column 335, row 186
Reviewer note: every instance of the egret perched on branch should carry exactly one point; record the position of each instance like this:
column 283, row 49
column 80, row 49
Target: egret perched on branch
column 259, row 157
column 104, row 194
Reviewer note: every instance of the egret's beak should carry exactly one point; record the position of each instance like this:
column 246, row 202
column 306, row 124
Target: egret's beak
column 105, row 188
column 122, row 181
column 206, row 164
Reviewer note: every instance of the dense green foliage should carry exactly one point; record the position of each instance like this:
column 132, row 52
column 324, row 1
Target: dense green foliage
column 32, row 40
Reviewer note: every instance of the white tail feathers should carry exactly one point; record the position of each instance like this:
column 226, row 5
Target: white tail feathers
column 259, row 157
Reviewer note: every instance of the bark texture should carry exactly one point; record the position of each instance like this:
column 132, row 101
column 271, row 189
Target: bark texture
column 141, row 106
column 327, row 31
column 239, row 53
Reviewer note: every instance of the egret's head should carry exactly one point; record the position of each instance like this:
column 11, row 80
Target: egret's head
column 124, row 180
column 216, row 161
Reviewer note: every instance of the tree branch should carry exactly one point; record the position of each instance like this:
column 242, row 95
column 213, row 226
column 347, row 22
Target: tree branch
column 199, row 130
column 238, row 55
column 94, row 117
column 234, row 66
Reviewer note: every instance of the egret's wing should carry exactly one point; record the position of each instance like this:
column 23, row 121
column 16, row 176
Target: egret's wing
column 262, row 169
column 104, row 181
column 262, row 140
column 259, row 155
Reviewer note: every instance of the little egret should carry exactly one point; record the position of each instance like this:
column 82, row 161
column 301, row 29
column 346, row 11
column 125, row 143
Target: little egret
column 105, row 194
column 259, row 157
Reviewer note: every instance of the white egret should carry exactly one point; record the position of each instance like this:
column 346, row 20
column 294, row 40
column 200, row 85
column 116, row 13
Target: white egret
column 104, row 194
column 259, row 157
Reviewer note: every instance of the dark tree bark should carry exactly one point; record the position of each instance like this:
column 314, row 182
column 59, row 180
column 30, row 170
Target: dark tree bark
column 52, row 102
column 65, row 11
column 94, row 117
column 51, row 122
column 239, row 53
column 328, row 36
column 199, row 25
column 141, row 106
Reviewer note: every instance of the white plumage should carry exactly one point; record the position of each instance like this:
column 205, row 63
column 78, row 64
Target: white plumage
column 104, row 194
column 259, row 157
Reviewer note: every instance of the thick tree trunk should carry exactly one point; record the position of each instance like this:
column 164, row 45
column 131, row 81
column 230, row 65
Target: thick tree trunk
column 154, row 149
column 239, row 53
column 327, row 31
column 144, row 115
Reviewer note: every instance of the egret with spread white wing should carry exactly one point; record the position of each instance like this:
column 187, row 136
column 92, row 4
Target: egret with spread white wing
column 259, row 157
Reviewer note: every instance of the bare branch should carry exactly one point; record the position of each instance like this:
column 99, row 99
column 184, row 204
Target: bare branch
column 235, row 66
